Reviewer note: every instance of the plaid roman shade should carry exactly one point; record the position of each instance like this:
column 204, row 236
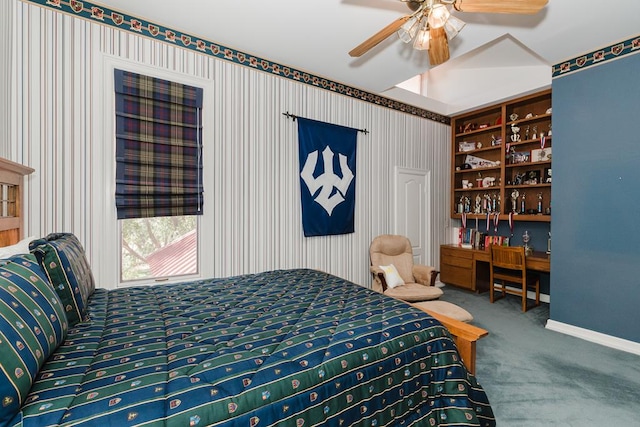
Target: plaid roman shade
column 158, row 147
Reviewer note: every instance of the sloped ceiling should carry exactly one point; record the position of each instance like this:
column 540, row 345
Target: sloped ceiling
column 495, row 56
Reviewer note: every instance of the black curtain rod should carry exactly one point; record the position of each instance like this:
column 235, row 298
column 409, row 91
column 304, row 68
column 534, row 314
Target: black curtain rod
column 294, row 117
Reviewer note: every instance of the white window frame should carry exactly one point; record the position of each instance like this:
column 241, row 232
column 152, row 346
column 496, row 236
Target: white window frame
column 105, row 226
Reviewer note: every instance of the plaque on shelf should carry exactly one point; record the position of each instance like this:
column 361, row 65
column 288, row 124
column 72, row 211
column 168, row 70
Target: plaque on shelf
column 466, row 146
column 541, row 155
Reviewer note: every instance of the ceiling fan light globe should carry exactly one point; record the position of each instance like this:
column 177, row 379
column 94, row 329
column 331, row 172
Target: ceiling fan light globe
column 453, row 26
column 408, row 30
column 438, row 16
column 421, row 42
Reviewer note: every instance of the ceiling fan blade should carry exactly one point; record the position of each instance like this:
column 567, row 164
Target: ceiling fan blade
column 438, row 46
column 381, row 35
column 501, row 6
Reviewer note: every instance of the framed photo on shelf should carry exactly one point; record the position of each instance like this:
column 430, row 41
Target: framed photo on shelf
column 521, row 157
column 533, row 177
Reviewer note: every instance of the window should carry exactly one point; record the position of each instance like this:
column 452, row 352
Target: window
column 159, row 247
column 159, row 191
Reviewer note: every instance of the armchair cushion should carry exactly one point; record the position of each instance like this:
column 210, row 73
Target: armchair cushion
column 414, row 292
column 391, row 276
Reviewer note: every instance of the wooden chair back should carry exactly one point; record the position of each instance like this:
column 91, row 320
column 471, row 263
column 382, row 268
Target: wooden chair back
column 511, row 258
column 509, row 264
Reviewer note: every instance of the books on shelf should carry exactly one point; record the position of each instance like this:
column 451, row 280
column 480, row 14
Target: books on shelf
column 471, row 238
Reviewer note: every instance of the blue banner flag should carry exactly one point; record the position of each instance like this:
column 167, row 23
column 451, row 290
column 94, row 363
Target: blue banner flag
column 327, row 177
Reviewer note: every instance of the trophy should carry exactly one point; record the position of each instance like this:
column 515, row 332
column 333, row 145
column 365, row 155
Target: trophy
column 539, row 203
column 478, row 205
column 514, row 200
column 515, row 130
column 525, row 239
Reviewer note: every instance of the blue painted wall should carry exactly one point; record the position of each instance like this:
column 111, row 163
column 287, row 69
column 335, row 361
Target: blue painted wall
column 595, row 263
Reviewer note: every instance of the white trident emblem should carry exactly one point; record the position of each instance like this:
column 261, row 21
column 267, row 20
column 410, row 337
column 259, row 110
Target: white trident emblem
column 328, row 180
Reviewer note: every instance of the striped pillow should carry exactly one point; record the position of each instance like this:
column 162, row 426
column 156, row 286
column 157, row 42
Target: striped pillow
column 63, row 259
column 32, row 326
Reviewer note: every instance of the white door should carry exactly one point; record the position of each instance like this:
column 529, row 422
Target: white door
column 412, row 213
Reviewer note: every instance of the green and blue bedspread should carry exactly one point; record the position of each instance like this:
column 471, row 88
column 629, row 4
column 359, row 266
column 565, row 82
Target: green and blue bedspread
column 281, row 348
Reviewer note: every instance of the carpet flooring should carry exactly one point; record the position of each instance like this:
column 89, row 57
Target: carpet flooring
column 537, row 377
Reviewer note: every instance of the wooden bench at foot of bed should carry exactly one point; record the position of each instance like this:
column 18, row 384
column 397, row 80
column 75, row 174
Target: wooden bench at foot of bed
column 465, row 336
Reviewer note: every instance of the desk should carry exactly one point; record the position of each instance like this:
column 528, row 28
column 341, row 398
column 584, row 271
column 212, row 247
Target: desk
column 469, row 268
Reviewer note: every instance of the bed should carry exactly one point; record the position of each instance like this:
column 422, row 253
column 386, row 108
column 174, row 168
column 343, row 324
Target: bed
column 294, row 347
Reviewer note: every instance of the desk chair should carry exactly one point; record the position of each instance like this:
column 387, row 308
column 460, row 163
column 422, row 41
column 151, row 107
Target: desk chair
column 509, row 265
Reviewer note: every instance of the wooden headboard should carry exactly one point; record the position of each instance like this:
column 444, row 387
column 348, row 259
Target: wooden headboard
column 11, row 221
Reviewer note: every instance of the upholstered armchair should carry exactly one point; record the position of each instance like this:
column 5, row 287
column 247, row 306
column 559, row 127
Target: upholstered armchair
column 407, row 281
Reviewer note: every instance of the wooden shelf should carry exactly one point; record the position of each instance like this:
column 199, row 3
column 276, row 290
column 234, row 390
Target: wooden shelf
column 485, row 189
column 531, row 141
column 536, row 118
column 516, row 217
column 478, row 150
column 526, row 164
column 481, row 130
column 479, row 170
column 525, row 186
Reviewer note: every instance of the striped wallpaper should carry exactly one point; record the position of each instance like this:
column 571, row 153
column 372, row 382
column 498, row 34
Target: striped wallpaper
column 59, row 124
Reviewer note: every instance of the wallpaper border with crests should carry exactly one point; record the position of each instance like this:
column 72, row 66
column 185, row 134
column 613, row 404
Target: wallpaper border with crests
column 132, row 24
column 597, row 57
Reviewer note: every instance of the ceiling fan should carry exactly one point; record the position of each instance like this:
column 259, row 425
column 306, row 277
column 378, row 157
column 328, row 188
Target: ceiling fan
column 431, row 24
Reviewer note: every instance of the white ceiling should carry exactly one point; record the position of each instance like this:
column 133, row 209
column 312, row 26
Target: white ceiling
column 495, row 56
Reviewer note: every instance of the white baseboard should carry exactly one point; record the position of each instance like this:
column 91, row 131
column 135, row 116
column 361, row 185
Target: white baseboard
column 543, row 297
column 596, row 337
column 532, row 295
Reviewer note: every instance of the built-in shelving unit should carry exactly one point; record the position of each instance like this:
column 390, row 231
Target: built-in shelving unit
column 501, row 160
